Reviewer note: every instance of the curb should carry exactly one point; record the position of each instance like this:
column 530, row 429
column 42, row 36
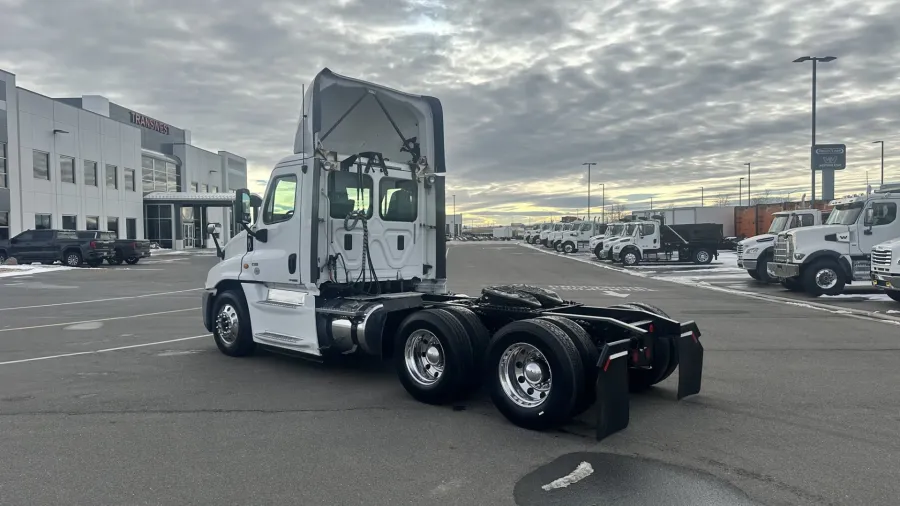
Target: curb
column 855, row 313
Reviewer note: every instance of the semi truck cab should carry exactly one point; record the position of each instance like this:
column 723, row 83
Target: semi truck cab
column 595, row 243
column 822, row 260
column 579, row 237
column 755, row 253
column 886, row 267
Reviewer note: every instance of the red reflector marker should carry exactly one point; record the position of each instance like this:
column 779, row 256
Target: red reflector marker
column 694, row 335
column 606, row 365
column 651, row 328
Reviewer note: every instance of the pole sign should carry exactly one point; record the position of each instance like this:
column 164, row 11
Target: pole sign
column 829, row 157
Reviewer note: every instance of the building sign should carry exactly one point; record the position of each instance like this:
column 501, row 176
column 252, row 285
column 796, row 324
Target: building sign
column 829, row 157
column 149, row 123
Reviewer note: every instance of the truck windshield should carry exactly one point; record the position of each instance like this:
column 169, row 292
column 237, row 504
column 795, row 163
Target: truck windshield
column 629, row 229
column 614, row 230
column 845, row 214
column 557, row 227
column 585, row 226
column 779, row 224
column 546, row 226
column 568, row 227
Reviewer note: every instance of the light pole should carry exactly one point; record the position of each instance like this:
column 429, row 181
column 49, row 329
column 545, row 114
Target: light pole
column 455, row 233
column 740, row 191
column 603, row 201
column 882, row 161
column 701, row 196
column 651, row 202
column 812, row 147
column 748, row 182
column 589, row 164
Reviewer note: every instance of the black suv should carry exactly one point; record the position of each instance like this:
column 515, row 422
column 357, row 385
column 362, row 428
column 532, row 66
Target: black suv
column 48, row 246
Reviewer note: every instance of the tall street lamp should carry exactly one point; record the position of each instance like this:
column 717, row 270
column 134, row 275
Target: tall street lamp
column 748, row 182
column 882, row 160
column 740, row 191
column 603, row 201
column 812, row 147
column 701, row 196
column 455, row 226
column 589, row 164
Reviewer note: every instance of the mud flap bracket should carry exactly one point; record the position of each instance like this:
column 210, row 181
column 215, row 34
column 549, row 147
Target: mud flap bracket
column 612, row 388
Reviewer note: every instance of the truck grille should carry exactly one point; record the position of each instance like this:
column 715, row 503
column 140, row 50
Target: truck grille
column 782, row 250
column 881, row 257
column 740, row 251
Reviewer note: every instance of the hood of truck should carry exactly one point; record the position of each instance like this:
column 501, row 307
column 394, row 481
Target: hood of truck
column 893, row 245
column 756, row 239
column 818, row 231
column 351, row 116
column 810, row 239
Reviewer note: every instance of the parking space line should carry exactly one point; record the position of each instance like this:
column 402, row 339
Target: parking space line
column 100, row 300
column 94, row 352
column 100, row 319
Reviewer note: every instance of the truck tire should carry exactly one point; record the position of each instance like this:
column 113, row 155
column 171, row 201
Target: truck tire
column 673, row 347
column 569, row 247
column 762, row 270
column 3, row 257
column 534, row 374
column 132, row 260
column 590, row 357
column 792, row 284
column 558, row 247
column 72, row 258
column 116, row 259
column 479, row 337
column 895, row 295
column 433, row 356
column 823, row 277
column 753, row 274
column 630, row 257
column 232, row 329
column 701, row 256
column 597, row 250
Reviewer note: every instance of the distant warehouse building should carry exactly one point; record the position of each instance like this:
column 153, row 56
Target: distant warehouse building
column 90, row 164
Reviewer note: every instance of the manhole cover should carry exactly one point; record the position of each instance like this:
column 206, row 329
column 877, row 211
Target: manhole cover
column 585, row 479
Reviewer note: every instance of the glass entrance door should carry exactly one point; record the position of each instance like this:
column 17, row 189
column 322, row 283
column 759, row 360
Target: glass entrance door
column 188, row 231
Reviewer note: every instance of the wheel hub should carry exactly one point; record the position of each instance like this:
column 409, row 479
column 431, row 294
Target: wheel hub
column 534, row 373
column 433, row 355
column 227, row 324
column 826, row 278
column 525, row 375
column 424, row 357
column 703, row 256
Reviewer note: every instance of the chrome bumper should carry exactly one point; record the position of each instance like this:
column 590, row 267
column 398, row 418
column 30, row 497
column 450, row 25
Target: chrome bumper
column 780, row 270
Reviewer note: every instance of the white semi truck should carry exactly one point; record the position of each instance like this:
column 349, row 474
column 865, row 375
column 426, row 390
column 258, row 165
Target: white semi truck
column 547, row 232
column 579, row 237
column 655, row 241
column 755, row 253
column 628, row 229
column 346, row 257
column 822, row 260
column 886, row 267
column 596, row 242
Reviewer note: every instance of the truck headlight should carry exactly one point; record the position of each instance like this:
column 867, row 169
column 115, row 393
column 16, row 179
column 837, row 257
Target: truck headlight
column 799, row 256
column 749, row 251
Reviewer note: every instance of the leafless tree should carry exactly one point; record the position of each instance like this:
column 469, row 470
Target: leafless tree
column 765, row 198
column 615, row 212
column 722, row 200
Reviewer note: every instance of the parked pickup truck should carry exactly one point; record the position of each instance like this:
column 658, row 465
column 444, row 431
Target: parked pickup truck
column 48, row 246
column 885, row 267
column 130, row 251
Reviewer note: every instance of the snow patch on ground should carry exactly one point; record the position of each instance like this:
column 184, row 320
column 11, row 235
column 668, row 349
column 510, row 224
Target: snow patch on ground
column 8, row 271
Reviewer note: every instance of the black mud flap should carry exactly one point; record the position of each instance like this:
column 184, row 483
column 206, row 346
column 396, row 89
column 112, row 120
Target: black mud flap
column 612, row 388
column 690, row 360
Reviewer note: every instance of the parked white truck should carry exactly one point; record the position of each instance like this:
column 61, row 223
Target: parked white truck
column 556, row 236
column 596, row 242
column 346, row 257
column 546, row 233
column 821, row 260
column 579, row 237
column 755, row 253
column 886, row 267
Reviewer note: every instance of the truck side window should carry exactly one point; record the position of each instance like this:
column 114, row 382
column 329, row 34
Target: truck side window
column 647, row 229
column 346, row 194
column 807, row 220
column 281, row 200
column 399, row 199
column 42, row 235
column 884, row 213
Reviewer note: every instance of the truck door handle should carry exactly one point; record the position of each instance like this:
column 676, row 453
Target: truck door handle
column 292, row 263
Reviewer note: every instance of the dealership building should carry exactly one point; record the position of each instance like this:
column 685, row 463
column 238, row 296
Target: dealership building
column 89, row 164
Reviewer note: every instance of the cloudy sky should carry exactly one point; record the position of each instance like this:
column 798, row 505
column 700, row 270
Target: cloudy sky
column 666, row 96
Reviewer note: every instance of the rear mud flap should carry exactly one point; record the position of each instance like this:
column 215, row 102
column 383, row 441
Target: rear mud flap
column 690, row 360
column 612, row 388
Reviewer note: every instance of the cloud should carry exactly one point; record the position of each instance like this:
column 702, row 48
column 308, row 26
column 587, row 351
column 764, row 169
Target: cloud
column 666, row 97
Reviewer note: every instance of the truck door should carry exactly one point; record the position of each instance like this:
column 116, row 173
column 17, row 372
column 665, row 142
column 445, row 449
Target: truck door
column 281, row 309
column 879, row 224
column 349, row 195
column 397, row 238
column 648, row 237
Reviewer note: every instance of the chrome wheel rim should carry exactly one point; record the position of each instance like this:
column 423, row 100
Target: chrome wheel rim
column 630, row 258
column 424, row 357
column 826, row 279
column 702, row 256
column 73, row 260
column 228, row 324
column 569, row 248
column 524, row 375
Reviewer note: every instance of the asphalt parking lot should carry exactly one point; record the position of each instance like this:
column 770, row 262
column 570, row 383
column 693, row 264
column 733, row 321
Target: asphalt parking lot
column 112, row 393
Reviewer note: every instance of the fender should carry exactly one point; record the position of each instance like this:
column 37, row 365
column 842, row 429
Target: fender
column 833, row 255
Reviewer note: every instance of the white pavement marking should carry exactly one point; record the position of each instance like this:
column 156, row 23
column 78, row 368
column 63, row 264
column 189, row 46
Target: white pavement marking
column 94, row 352
column 581, row 472
column 100, row 300
column 615, row 294
column 99, row 320
column 601, row 288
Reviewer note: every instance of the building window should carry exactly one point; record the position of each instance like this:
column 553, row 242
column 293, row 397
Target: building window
column 159, row 175
column 112, row 224
column 194, row 187
column 215, row 189
column 67, row 169
column 399, row 199
column 129, row 180
column 131, row 228
column 158, row 224
column 41, row 162
column 69, row 222
column 90, row 173
column 204, row 188
column 112, row 177
column 4, row 226
column 92, row 223
column 4, row 182
column 42, row 222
